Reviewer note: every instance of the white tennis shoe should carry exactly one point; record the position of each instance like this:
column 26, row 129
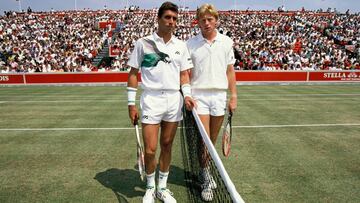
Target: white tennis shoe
column 207, row 194
column 165, row 195
column 149, row 196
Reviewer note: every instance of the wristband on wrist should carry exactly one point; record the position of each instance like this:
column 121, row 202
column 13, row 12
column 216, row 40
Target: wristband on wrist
column 131, row 93
column 186, row 90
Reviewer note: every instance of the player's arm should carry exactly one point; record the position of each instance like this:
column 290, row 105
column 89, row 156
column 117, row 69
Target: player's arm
column 186, row 89
column 230, row 73
column 131, row 91
column 185, row 75
column 134, row 62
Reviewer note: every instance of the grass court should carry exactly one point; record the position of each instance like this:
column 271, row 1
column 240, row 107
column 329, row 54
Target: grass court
column 293, row 143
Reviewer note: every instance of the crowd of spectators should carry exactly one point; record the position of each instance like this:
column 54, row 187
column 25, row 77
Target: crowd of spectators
column 49, row 42
column 68, row 41
column 301, row 41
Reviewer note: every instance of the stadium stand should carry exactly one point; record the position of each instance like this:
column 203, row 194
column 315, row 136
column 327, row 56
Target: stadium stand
column 73, row 41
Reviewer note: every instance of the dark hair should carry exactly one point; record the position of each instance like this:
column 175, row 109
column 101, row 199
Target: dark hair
column 167, row 6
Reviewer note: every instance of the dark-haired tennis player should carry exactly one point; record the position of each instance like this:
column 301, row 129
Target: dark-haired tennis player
column 163, row 61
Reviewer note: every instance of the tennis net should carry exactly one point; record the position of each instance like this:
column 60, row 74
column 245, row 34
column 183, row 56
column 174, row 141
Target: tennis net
column 200, row 157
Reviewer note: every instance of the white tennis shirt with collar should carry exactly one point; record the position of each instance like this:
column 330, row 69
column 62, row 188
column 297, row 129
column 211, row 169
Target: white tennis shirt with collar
column 160, row 63
column 210, row 61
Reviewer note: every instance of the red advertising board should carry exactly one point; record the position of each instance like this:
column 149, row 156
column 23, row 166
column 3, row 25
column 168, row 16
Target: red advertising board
column 43, row 78
column 274, row 76
column 335, row 76
column 11, row 79
column 121, row 77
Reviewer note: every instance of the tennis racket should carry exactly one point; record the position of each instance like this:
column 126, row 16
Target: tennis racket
column 140, row 153
column 227, row 134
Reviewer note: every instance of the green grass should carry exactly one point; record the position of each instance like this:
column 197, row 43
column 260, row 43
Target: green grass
column 267, row 163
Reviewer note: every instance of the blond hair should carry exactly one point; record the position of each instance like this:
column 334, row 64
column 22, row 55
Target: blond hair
column 207, row 8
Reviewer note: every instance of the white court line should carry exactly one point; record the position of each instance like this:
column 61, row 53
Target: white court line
column 60, row 129
column 296, row 95
column 285, row 95
column 59, row 96
column 131, row 128
column 125, row 100
column 302, row 99
column 303, row 125
column 66, row 101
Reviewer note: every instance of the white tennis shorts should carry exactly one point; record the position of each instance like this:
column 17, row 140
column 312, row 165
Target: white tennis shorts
column 209, row 101
column 161, row 105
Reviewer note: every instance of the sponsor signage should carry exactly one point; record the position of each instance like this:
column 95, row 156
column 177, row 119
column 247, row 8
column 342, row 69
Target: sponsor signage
column 11, row 79
column 335, row 76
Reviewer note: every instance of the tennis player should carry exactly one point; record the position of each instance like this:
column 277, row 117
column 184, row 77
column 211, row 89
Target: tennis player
column 163, row 61
column 213, row 74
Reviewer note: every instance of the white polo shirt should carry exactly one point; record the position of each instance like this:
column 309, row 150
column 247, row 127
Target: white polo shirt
column 160, row 64
column 210, row 61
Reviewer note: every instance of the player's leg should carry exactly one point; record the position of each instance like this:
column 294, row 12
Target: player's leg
column 150, row 128
column 217, row 113
column 169, row 124
column 168, row 130
column 203, row 109
column 205, row 177
column 207, row 180
column 216, row 104
column 150, row 137
column 212, row 125
column 202, row 98
column 203, row 153
column 215, row 126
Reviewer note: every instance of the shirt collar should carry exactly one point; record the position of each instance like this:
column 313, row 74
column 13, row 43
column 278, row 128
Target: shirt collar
column 159, row 39
column 217, row 37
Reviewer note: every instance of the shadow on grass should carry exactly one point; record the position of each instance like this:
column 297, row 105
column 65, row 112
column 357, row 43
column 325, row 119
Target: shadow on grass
column 123, row 182
column 126, row 183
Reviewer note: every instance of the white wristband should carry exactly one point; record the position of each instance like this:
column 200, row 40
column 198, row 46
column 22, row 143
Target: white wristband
column 186, row 90
column 131, row 93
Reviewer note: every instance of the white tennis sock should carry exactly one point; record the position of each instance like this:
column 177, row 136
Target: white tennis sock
column 150, row 180
column 163, row 176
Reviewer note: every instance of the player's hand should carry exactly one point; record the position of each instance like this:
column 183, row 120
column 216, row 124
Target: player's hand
column 232, row 104
column 133, row 114
column 189, row 103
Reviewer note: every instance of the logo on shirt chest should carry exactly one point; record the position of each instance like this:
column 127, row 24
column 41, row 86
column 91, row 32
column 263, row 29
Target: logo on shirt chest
column 152, row 59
